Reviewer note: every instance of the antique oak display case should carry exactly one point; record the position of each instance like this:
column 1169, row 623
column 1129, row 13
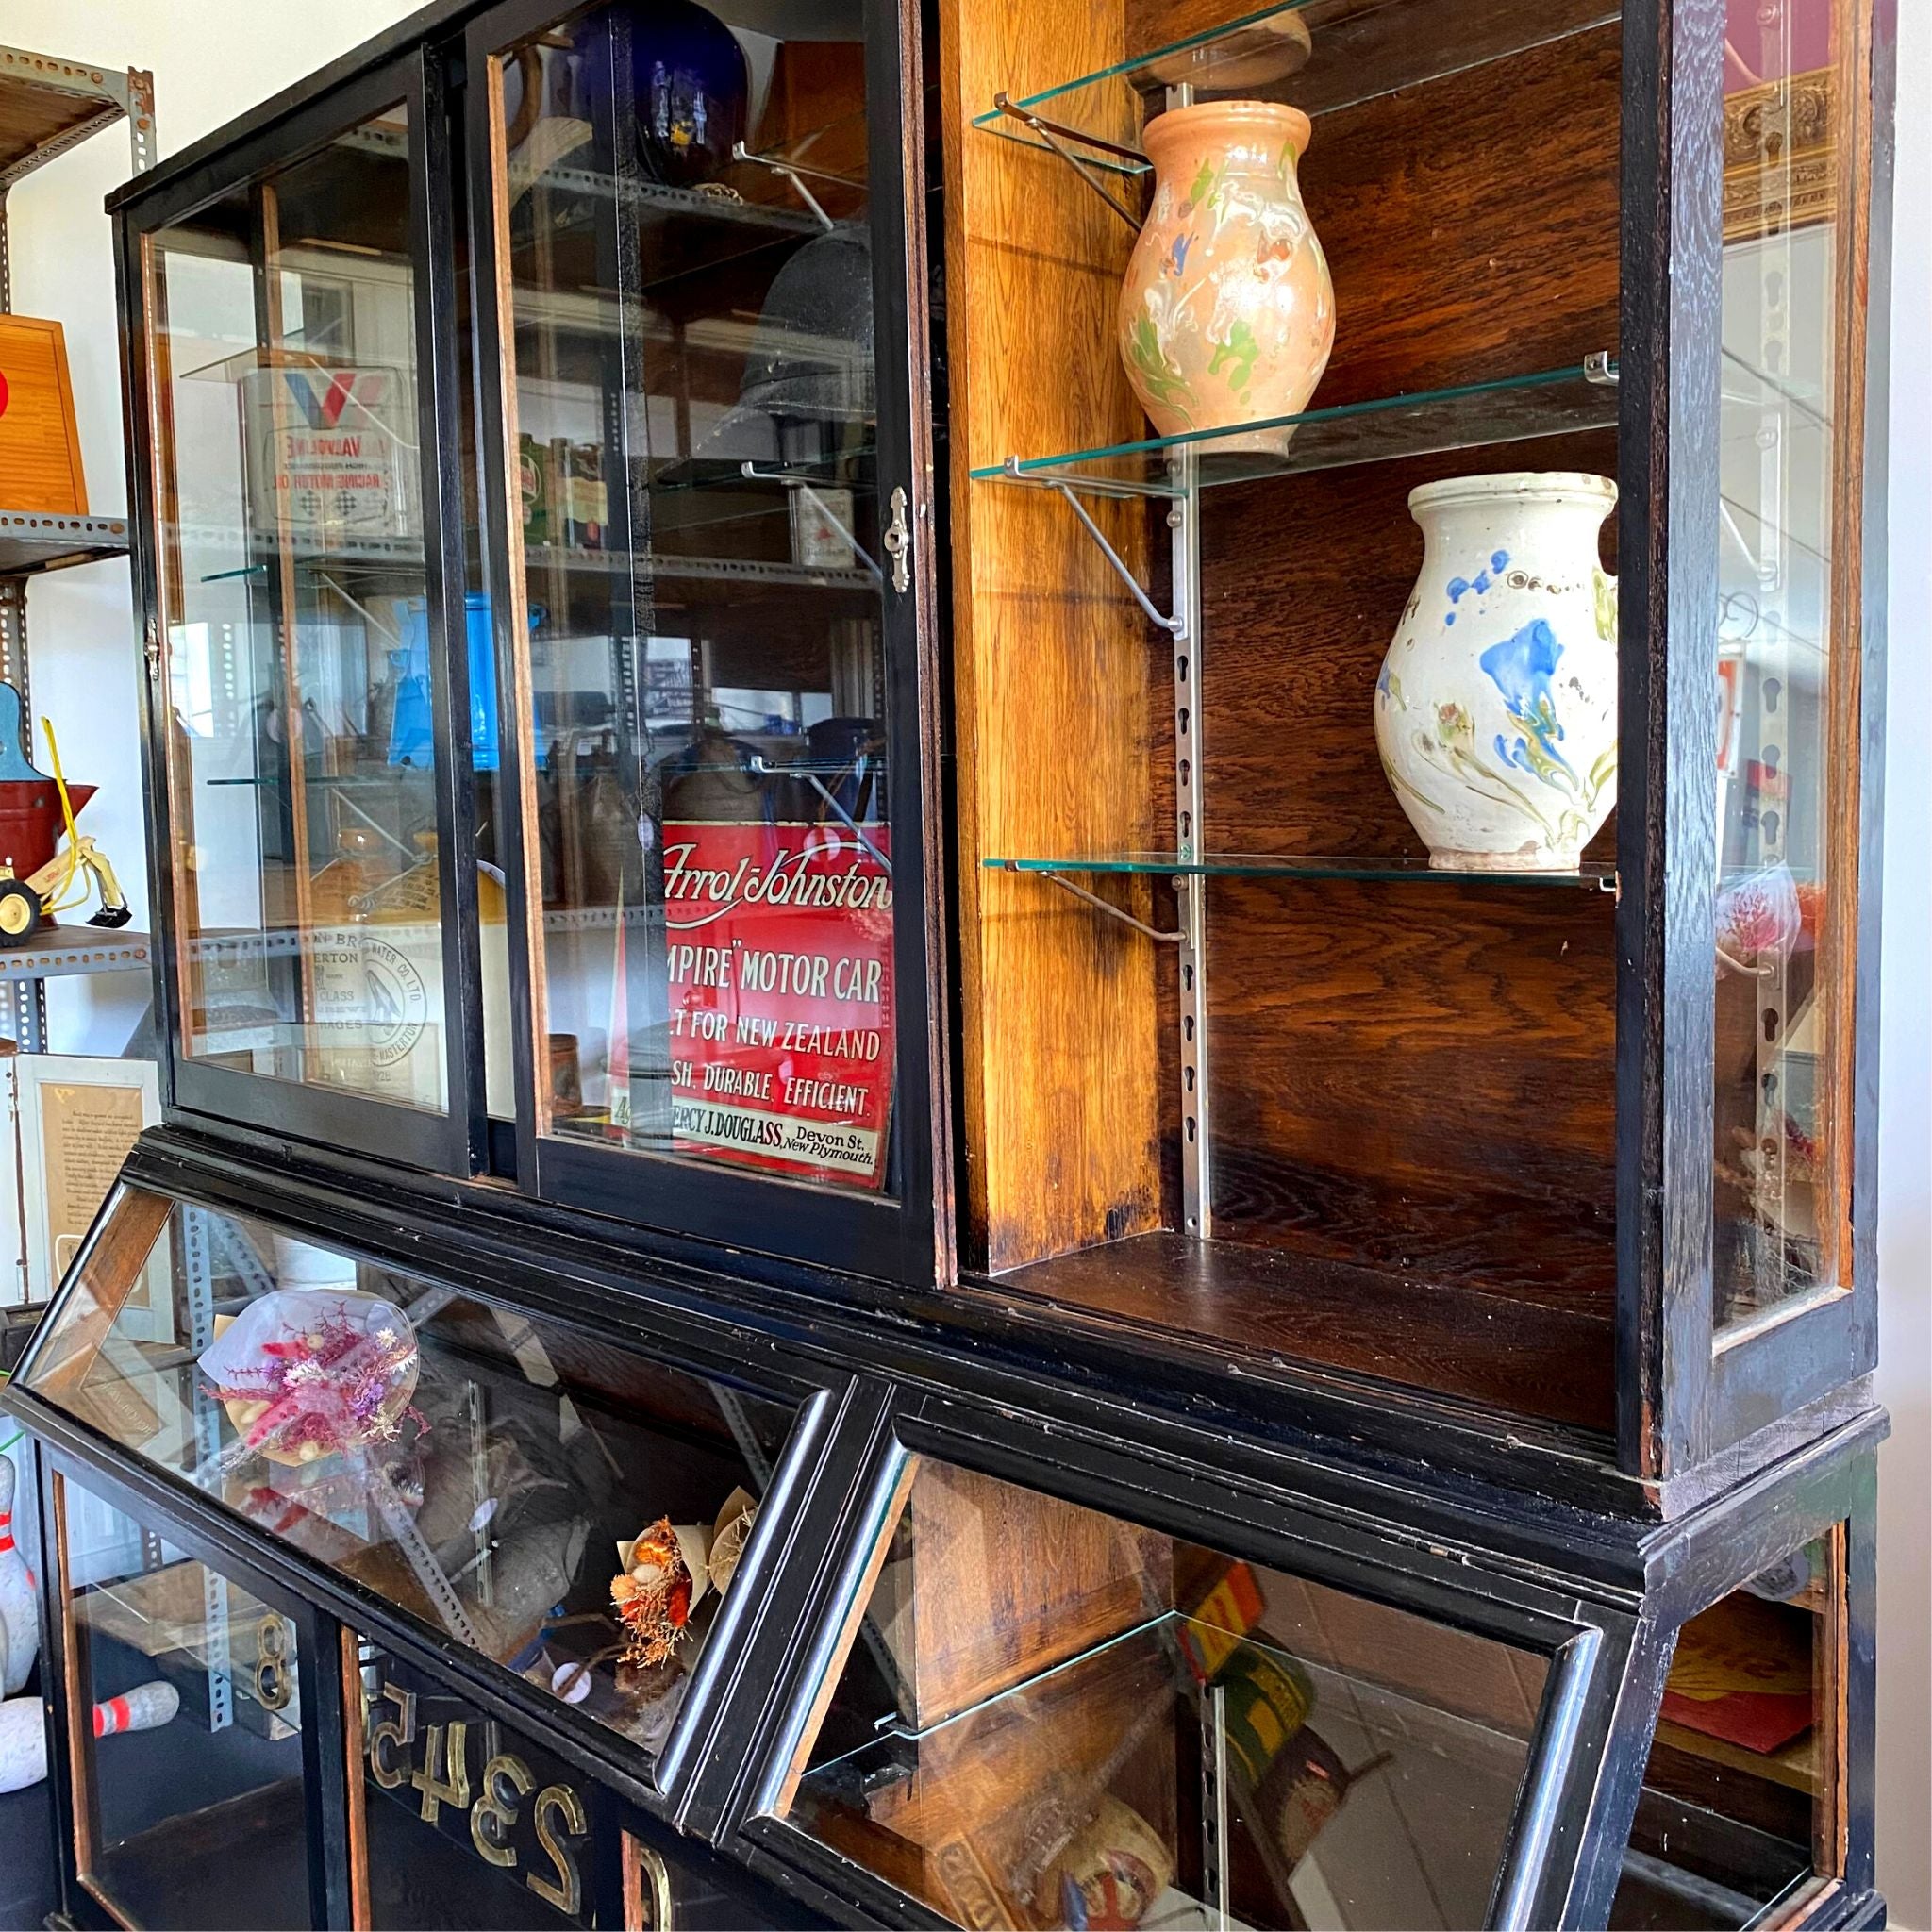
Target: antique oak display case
column 791, row 969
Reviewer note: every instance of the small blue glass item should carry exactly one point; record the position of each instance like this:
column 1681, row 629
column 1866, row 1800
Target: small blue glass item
column 412, row 734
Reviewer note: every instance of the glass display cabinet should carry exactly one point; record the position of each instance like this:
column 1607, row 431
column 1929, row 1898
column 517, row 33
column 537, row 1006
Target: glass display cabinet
column 1017, row 929
column 543, row 516
column 336, row 1642
column 625, row 898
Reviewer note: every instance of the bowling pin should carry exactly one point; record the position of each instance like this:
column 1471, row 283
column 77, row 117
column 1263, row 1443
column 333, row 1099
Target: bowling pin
column 23, row 1728
column 19, row 1610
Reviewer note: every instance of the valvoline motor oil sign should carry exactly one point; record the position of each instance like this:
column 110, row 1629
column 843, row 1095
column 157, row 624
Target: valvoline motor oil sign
column 780, row 945
column 328, row 453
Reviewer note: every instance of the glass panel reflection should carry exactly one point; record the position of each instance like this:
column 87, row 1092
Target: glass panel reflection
column 697, row 548
column 572, row 1509
column 300, row 761
column 1136, row 1731
column 1789, row 635
column 1738, row 1791
column 188, row 1731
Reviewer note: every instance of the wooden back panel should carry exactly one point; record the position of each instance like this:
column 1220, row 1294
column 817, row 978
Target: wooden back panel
column 1420, row 1077
column 1417, row 1077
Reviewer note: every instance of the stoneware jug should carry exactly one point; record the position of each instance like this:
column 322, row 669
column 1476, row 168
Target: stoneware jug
column 1227, row 314
column 1496, row 709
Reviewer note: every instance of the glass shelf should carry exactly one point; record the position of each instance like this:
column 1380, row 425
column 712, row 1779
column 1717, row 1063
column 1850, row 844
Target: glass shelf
column 734, row 570
column 1591, row 876
column 1174, row 1645
column 1277, row 53
column 1511, row 408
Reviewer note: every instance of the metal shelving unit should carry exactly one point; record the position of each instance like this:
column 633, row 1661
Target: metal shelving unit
column 48, row 105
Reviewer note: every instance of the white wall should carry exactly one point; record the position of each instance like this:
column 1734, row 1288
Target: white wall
column 210, row 61
column 1905, row 1181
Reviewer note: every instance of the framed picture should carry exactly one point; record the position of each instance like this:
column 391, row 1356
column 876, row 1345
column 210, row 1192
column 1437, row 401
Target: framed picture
column 78, row 1118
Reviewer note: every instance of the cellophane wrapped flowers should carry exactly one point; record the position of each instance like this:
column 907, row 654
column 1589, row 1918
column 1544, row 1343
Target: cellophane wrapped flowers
column 308, row 1373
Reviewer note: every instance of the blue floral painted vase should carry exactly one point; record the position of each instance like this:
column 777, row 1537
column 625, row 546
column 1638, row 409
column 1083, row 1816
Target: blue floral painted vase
column 1496, row 709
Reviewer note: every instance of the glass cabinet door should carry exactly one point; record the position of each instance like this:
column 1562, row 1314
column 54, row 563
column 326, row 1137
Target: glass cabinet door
column 708, row 612
column 1788, row 644
column 1791, row 645
column 294, row 514
column 191, row 1798
column 1050, row 1717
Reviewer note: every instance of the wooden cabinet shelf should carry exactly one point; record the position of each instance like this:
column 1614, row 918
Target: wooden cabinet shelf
column 1546, row 1358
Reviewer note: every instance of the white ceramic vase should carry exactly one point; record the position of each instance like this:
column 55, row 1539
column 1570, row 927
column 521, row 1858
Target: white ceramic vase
column 1496, row 709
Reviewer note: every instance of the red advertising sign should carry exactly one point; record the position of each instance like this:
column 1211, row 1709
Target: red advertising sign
column 779, row 943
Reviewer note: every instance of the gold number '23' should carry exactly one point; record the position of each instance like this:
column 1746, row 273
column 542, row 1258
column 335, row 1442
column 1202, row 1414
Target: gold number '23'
column 444, row 1779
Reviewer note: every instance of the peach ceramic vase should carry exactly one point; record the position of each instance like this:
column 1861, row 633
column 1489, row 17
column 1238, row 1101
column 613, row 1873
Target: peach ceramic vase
column 1227, row 314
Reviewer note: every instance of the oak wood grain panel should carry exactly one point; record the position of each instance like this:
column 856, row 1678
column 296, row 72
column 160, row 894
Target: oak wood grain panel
column 1418, row 1077
column 113, row 1265
column 1400, row 1326
column 1452, row 265
column 1006, row 1582
column 1060, row 1067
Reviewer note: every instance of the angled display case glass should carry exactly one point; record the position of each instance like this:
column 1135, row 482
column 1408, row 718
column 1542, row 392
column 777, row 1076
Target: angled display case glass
column 1049, row 1717
column 1031, row 1713
column 569, row 1507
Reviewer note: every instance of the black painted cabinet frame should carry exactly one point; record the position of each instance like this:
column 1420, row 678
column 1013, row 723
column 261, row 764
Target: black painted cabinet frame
column 1602, row 1597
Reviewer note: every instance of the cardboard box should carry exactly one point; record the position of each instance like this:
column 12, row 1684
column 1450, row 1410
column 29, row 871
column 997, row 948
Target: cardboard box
column 40, row 448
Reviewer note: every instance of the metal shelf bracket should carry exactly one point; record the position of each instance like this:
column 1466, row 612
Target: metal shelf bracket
column 1098, row 903
column 741, row 153
column 1056, row 136
column 804, row 484
column 1174, row 626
